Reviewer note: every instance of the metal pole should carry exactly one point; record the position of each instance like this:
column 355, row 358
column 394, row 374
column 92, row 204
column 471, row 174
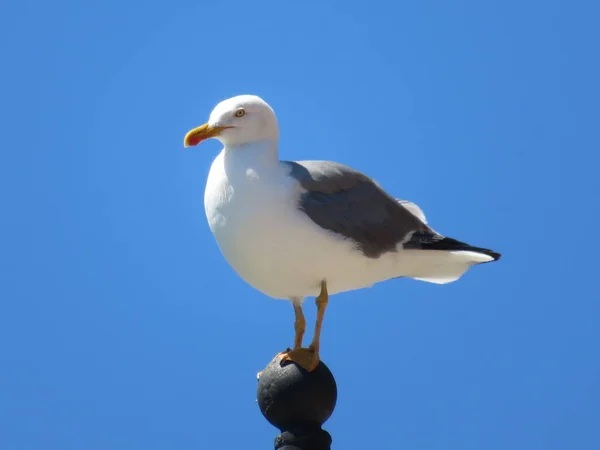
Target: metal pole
column 297, row 402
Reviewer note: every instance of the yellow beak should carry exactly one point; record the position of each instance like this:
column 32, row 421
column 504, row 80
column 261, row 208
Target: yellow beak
column 197, row 135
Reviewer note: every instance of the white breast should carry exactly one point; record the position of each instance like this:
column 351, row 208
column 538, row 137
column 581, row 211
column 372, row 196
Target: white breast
column 249, row 209
column 252, row 211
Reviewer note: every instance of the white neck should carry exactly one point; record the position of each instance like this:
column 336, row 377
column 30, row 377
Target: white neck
column 256, row 153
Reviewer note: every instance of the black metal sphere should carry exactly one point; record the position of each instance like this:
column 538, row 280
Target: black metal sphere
column 290, row 396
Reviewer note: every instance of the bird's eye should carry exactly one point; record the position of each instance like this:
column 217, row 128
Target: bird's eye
column 240, row 113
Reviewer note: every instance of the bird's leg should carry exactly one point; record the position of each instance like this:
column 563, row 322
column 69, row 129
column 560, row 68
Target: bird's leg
column 297, row 354
column 301, row 356
column 321, row 302
column 308, row 358
column 299, row 324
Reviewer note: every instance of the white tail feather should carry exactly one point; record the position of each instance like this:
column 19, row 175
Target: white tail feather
column 441, row 267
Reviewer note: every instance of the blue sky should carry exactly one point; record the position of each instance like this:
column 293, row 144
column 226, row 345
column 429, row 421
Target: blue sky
column 121, row 325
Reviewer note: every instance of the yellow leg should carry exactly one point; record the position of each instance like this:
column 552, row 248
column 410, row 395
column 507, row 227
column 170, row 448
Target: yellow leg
column 321, row 302
column 299, row 325
column 308, row 358
column 297, row 354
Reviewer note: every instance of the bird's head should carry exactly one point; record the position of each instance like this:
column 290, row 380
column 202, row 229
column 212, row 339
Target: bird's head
column 240, row 120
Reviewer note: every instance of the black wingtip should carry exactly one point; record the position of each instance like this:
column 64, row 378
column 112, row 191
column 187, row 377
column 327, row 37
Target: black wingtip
column 453, row 245
column 485, row 251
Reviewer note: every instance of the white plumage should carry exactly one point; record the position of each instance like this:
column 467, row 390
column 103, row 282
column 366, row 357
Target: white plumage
column 251, row 203
column 308, row 228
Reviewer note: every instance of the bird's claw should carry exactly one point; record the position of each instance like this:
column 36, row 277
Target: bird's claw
column 307, row 358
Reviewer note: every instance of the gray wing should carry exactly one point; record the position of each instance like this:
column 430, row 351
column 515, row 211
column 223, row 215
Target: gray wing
column 346, row 202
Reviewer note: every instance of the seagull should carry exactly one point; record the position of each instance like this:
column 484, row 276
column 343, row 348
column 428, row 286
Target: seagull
column 297, row 229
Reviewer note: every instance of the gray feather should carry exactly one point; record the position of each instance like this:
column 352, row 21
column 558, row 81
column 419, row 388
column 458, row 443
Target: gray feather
column 346, row 202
